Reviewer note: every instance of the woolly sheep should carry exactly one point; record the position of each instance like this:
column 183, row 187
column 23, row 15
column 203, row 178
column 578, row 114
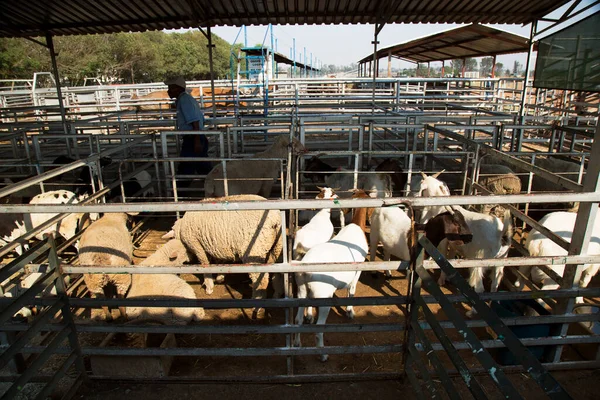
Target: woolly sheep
column 67, row 227
column 349, row 245
column 107, row 242
column 566, row 169
column 498, row 179
column 561, row 223
column 238, row 236
column 164, row 286
column 251, row 177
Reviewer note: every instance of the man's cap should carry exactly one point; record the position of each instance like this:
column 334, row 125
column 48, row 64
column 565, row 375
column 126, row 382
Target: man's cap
column 179, row 81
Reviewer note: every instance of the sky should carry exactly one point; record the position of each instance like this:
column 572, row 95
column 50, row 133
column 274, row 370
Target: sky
column 346, row 44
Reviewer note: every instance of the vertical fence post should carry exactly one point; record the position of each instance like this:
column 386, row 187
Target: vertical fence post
column 67, row 316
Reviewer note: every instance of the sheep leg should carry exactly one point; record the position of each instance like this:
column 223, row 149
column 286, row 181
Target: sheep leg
column 209, row 283
column 260, row 281
column 586, row 277
column 497, row 275
column 351, row 291
column 323, row 313
column 302, row 292
column 526, row 271
column 387, row 256
column 122, row 308
column 442, row 278
column 107, row 313
column 476, row 282
column 278, row 289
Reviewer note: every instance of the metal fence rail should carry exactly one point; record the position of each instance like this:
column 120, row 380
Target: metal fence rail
column 550, row 386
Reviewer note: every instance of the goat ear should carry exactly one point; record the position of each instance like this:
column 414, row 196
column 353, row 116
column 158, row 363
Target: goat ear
column 320, row 188
column 438, row 174
column 169, row 235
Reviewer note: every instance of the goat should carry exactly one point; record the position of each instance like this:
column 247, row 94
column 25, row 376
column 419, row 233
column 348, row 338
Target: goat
column 349, row 245
column 397, row 174
column 318, row 230
column 561, row 223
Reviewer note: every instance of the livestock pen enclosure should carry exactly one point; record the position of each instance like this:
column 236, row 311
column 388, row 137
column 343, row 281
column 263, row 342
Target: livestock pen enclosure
column 404, row 325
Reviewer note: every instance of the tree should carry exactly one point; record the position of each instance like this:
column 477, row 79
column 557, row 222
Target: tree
column 485, row 68
column 499, row 69
column 456, row 67
column 471, row 64
column 516, row 68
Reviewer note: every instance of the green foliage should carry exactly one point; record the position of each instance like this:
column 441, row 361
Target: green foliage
column 485, row 67
column 120, row 57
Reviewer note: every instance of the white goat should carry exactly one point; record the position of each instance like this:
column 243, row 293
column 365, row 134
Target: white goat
column 561, row 223
column 491, row 236
column 318, row 230
column 349, row 245
column 390, row 226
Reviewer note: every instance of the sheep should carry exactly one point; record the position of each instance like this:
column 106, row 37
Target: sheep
column 141, row 180
column 107, row 241
column 391, row 226
column 430, row 186
column 561, row 223
column 349, row 245
column 491, row 239
column 66, row 227
column 491, row 235
column 499, row 180
column 247, row 177
column 81, row 182
column 164, row 286
column 239, row 236
column 397, row 174
column 318, row 230
column 378, row 184
column 316, row 165
column 566, row 169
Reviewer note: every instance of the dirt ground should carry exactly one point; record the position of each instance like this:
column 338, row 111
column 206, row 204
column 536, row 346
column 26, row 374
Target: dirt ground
column 237, row 286
column 577, row 383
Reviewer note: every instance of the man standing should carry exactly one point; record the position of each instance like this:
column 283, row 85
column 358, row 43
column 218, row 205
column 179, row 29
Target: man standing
column 189, row 118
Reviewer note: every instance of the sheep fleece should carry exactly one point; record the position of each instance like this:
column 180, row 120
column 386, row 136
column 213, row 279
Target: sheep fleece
column 164, row 286
column 245, row 236
column 107, row 242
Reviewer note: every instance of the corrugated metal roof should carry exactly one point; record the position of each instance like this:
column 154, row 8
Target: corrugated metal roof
column 468, row 41
column 279, row 58
column 73, row 17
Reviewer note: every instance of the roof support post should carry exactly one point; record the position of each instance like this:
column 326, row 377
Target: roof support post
column 61, row 106
column 494, row 67
column 443, row 68
column 210, row 46
column 527, row 68
column 464, row 67
column 389, row 74
column 212, row 75
column 428, row 69
column 582, row 233
column 378, row 28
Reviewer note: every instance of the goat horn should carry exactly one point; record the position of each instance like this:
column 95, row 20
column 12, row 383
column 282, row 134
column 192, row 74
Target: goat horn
column 438, row 173
column 423, row 174
column 320, row 188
